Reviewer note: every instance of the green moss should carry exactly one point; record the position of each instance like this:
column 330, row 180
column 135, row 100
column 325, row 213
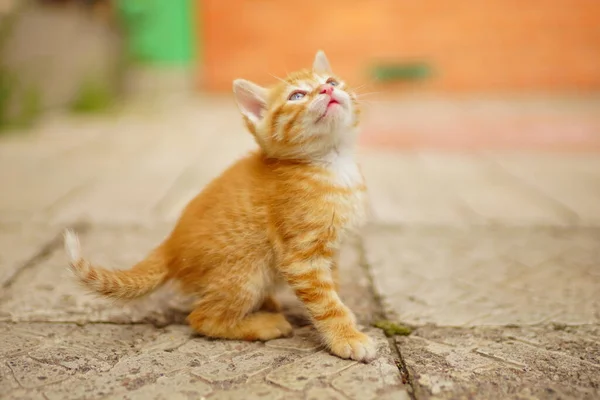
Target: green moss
column 20, row 105
column 393, row 329
column 6, row 93
column 92, row 96
column 31, row 107
column 558, row 326
column 401, row 72
column 26, row 100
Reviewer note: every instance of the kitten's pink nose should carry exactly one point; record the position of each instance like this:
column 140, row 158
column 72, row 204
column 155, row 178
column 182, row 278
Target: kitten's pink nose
column 326, row 89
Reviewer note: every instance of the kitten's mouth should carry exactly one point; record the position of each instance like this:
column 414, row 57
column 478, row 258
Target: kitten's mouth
column 332, row 102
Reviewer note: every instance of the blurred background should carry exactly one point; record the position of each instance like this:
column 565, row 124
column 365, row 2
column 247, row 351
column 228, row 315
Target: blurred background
column 480, row 145
column 87, row 55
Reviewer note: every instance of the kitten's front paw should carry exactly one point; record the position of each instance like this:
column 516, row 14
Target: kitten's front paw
column 356, row 346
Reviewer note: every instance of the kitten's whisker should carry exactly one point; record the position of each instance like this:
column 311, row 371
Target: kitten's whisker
column 354, row 89
column 367, row 94
column 278, row 78
column 370, row 102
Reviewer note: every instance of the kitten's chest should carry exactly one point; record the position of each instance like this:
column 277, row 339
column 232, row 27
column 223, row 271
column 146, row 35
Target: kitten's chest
column 345, row 172
column 348, row 194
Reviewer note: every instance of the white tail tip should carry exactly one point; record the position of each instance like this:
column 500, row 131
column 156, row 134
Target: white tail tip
column 72, row 246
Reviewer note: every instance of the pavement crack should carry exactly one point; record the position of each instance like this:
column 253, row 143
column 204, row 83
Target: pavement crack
column 45, row 251
column 364, row 264
column 380, row 314
column 12, row 372
column 558, row 353
column 499, row 359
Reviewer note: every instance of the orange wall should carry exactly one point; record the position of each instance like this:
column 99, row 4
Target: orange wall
column 487, row 45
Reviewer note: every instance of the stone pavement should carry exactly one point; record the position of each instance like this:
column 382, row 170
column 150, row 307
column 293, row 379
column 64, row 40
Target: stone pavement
column 491, row 258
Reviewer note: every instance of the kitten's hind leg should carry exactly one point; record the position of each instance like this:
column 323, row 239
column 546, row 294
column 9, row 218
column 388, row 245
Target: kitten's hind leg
column 270, row 304
column 224, row 320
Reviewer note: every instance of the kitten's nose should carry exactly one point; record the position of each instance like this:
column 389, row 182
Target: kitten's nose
column 326, row 89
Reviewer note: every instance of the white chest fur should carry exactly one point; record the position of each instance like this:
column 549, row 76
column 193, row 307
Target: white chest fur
column 345, row 173
column 344, row 170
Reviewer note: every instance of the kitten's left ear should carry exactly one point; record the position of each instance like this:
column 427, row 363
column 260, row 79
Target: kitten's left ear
column 321, row 64
column 251, row 99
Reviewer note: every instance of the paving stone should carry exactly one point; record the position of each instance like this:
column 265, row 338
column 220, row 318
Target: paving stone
column 370, row 381
column 19, row 244
column 13, row 345
column 580, row 342
column 481, row 184
column 305, row 339
column 142, row 361
column 244, row 365
column 32, row 394
column 48, row 292
column 35, row 166
column 86, row 357
column 297, row 375
column 178, row 387
column 366, row 381
column 31, row 373
column 570, row 180
column 73, row 359
column 171, row 338
column 45, row 183
column 355, row 284
column 481, row 276
column 110, row 342
column 54, row 333
column 210, row 349
column 110, row 198
column 408, row 194
column 45, row 142
column 8, row 383
column 134, row 376
column 448, row 363
column 132, row 373
column 398, row 394
column 252, row 392
column 321, row 393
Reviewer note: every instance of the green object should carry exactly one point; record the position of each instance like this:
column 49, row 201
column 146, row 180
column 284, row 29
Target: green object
column 7, row 89
column 159, row 31
column 92, row 96
column 392, row 329
column 401, row 72
column 20, row 105
column 31, row 107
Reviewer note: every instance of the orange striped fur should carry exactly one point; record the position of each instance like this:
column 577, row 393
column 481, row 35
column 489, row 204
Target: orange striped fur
column 278, row 215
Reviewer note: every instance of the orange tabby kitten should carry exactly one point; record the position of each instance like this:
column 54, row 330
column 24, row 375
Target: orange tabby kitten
column 279, row 214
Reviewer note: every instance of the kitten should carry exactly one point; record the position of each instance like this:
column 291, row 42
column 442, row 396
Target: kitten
column 279, row 214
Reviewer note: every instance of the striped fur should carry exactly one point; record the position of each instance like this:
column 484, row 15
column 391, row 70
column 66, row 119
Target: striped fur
column 279, row 214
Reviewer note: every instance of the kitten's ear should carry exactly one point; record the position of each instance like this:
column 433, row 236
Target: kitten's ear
column 321, row 64
column 251, row 99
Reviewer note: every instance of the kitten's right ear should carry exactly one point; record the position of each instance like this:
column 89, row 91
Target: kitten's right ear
column 251, row 99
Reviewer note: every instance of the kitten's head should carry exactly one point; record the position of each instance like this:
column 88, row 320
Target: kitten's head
column 305, row 116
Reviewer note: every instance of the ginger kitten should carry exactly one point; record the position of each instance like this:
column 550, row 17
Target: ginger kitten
column 279, row 214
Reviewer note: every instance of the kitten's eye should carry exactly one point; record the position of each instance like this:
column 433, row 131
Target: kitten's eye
column 332, row 82
column 297, row 95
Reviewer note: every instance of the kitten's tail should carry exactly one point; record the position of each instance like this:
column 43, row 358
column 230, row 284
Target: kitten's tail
column 138, row 281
